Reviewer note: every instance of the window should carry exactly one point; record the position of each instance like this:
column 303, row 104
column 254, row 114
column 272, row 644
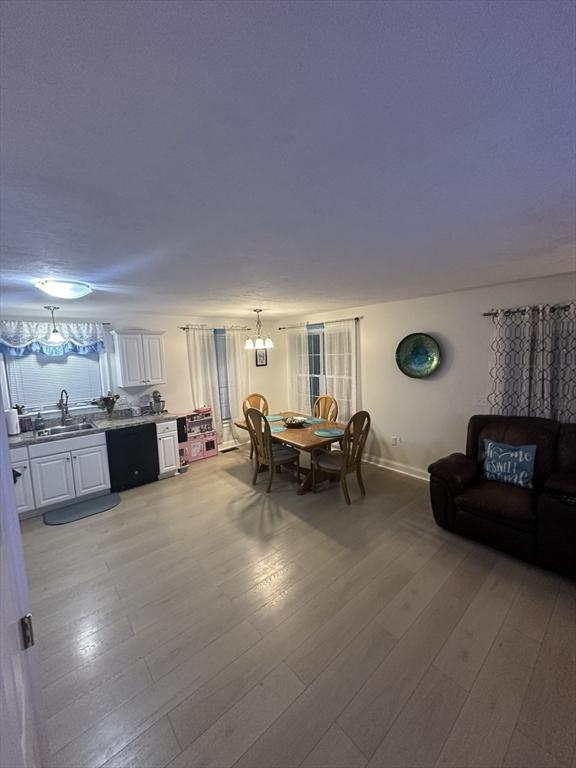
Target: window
column 222, row 371
column 316, row 366
column 37, row 380
column 332, row 364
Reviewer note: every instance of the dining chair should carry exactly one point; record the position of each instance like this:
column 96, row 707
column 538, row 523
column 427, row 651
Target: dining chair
column 325, row 407
column 268, row 453
column 258, row 401
column 349, row 459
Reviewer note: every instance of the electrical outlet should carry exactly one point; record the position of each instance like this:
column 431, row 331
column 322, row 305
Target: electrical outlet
column 394, row 440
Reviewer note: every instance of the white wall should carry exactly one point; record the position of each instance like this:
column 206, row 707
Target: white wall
column 431, row 415
column 176, row 391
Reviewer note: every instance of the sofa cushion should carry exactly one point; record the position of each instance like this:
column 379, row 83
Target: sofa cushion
column 563, row 482
column 500, row 502
column 567, row 448
column 516, row 430
column 457, row 470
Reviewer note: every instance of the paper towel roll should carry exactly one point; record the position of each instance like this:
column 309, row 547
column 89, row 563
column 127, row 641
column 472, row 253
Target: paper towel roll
column 12, row 423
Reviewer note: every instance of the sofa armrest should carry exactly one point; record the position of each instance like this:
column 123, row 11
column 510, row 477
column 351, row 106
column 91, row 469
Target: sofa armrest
column 562, row 482
column 457, row 470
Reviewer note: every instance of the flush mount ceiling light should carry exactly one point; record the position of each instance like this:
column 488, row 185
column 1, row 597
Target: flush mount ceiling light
column 55, row 336
column 64, row 289
column 258, row 342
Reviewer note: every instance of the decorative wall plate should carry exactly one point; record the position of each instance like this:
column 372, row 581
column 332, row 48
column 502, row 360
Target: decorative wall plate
column 418, row 355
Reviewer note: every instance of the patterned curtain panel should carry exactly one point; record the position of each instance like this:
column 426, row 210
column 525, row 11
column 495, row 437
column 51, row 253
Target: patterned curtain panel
column 22, row 337
column 533, row 367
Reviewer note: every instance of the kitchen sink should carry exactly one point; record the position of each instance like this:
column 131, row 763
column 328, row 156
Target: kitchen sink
column 63, row 430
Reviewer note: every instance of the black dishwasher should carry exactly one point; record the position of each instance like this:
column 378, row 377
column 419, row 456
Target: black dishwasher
column 132, row 456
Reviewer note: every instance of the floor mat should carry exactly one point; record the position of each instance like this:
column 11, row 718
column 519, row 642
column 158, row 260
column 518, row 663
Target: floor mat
column 81, row 509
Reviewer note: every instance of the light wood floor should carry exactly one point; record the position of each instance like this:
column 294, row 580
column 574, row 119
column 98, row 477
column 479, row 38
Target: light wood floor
column 205, row 623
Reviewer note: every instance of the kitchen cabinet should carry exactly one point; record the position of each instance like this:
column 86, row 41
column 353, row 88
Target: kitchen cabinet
column 23, row 487
column 168, row 455
column 53, row 479
column 64, row 470
column 139, row 358
column 90, row 468
column 153, row 349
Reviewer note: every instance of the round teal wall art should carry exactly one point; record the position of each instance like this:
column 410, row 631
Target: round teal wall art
column 418, row 355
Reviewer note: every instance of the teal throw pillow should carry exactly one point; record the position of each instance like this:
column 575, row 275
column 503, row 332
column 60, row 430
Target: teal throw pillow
column 512, row 464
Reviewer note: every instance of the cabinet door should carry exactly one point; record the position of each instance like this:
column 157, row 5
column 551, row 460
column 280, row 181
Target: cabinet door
column 153, row 347
column 90, row 466
column 196, row 449
column 130, row 359
column 23, row 488
column 168, row 452
column 52, row 479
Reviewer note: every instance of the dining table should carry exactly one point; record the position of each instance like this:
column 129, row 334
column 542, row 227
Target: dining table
column 302, row 438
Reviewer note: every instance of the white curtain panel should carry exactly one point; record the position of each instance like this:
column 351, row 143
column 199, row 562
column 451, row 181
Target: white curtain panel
column 203, row 372
column 533, row 367
column 340, row 366
column 239, row 379
column 298, row 370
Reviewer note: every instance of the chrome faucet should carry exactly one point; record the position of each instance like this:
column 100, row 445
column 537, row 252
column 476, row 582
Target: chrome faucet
column 63, row 406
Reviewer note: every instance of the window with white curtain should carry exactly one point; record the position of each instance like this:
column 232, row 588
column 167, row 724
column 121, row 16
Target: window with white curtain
column 316, row 367
column 36, row 381
column 340, row 365
column 323, row 360
column 222, row 372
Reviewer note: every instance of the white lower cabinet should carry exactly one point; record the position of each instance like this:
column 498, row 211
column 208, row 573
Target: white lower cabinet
column 90, row 467
column 64, row 470
column 168, row 456
column 23, row 486
column 53, row 479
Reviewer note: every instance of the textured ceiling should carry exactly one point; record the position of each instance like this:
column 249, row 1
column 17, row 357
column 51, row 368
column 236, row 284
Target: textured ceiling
column 205, row 158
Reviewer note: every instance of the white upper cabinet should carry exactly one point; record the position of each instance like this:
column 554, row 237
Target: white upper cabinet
column 153, row 348
column 139, row 358
column 130, row 360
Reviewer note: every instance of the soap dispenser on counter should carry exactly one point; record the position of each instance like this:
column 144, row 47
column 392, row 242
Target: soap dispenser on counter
column 39, row 424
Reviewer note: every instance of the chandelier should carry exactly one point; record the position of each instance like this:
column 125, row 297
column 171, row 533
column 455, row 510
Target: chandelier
column 55, row 336
column 258, row 342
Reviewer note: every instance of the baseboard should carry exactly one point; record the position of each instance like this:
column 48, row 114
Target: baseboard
column 397, row 466
column 229, row 445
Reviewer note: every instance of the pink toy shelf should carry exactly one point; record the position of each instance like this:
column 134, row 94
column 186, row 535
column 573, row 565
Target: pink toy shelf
column 196, row 436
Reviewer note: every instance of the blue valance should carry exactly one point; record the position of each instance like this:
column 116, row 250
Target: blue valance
column 23, row 337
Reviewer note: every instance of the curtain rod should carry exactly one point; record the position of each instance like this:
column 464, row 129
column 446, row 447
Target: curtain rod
column 522, row 310
column 325, row 322
column 198, row 326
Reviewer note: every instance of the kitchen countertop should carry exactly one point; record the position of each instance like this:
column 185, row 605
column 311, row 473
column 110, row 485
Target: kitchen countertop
column 100, row 425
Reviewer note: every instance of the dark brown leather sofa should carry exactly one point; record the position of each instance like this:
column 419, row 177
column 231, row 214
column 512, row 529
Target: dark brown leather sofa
column 537, row 524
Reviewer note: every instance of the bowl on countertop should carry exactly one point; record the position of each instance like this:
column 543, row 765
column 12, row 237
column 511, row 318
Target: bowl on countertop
column 294, row 422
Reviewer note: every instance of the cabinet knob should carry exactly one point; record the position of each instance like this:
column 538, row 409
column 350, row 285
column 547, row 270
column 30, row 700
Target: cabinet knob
column 68, row 458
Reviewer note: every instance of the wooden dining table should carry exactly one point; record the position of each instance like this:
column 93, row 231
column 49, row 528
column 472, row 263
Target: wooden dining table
column 302, row 438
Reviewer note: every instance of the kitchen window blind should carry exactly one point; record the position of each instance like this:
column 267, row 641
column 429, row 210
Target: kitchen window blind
column 36, row 380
